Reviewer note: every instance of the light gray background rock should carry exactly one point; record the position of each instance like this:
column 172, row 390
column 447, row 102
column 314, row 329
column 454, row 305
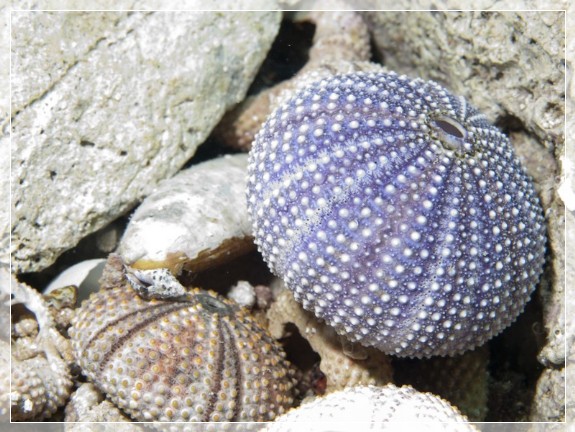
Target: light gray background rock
column 570, row 319
column 107, row 104
column 148, row 5
column 5, row 193
column 4, row 134
column 504, row 62
column 569, row 175
column 549, row 398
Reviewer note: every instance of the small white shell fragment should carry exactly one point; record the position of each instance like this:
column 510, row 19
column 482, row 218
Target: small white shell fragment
column 194, row 219
column 156, row 283
column 388, row 408
column 243, row 293
column 85, row 275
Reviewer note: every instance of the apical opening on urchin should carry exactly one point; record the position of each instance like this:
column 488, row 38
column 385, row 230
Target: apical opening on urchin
column 451, row 127
column 452, row 134
column 214, row 305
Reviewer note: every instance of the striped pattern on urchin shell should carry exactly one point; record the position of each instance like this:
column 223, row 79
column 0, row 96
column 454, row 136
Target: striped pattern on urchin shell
column 203, row 359
column 396, row 212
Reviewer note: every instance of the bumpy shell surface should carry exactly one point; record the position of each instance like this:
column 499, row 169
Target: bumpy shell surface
column 374, row 408
column 396, row 212
column 87, row 404
column 462, row 380
column 39, row 388
column 203, row 359
column 341, row 367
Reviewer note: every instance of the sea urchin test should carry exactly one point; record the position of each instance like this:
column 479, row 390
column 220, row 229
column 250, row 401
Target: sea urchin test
column 396, row 212
column 198, row 358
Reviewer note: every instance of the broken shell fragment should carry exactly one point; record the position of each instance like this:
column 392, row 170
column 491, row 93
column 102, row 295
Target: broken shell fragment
column 41, row 381
column 87, row 404
column 194, row 220
column 84, row 275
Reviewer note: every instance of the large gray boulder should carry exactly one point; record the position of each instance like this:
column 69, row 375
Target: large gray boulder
column 107, row 104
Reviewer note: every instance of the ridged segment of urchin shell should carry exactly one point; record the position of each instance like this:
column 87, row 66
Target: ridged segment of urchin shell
column 203, row 359
column 374, row 408
column 396, row 212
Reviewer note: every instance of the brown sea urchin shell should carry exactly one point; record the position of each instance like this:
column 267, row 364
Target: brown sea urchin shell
column 202, row 359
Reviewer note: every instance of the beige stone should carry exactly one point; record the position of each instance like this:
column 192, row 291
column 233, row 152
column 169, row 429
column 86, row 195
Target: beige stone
column 343, row 363
column 107, row 104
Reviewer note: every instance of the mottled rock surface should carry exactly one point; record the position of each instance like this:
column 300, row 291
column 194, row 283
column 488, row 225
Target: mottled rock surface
column 4, row 343
column 568, row 197
column 4, row 193
column 484, row 56
column 549, row 398
column 107, row 104
column 4, row 134
column 570, row 319
column 4, row 381
column 344, row 364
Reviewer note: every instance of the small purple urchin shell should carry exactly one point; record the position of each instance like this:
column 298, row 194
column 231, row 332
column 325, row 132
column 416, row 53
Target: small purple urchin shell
column 397, row 213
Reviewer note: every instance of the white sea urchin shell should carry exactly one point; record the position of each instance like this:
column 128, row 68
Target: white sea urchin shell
column 363, row 408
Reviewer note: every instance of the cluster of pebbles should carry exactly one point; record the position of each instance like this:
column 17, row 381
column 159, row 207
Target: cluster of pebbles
column 394, row 220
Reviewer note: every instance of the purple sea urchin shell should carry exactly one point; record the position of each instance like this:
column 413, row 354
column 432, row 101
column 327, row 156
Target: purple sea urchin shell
column 396, row 212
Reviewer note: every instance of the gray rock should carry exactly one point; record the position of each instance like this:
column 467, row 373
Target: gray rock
column 4, row 135
column 105, row 105
column 549, row 398
column 4, row 193
column 570, row 317
column 4, row 59
column 504, row 62
column 569, row 189
column 5, row 322
column 552, row 290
